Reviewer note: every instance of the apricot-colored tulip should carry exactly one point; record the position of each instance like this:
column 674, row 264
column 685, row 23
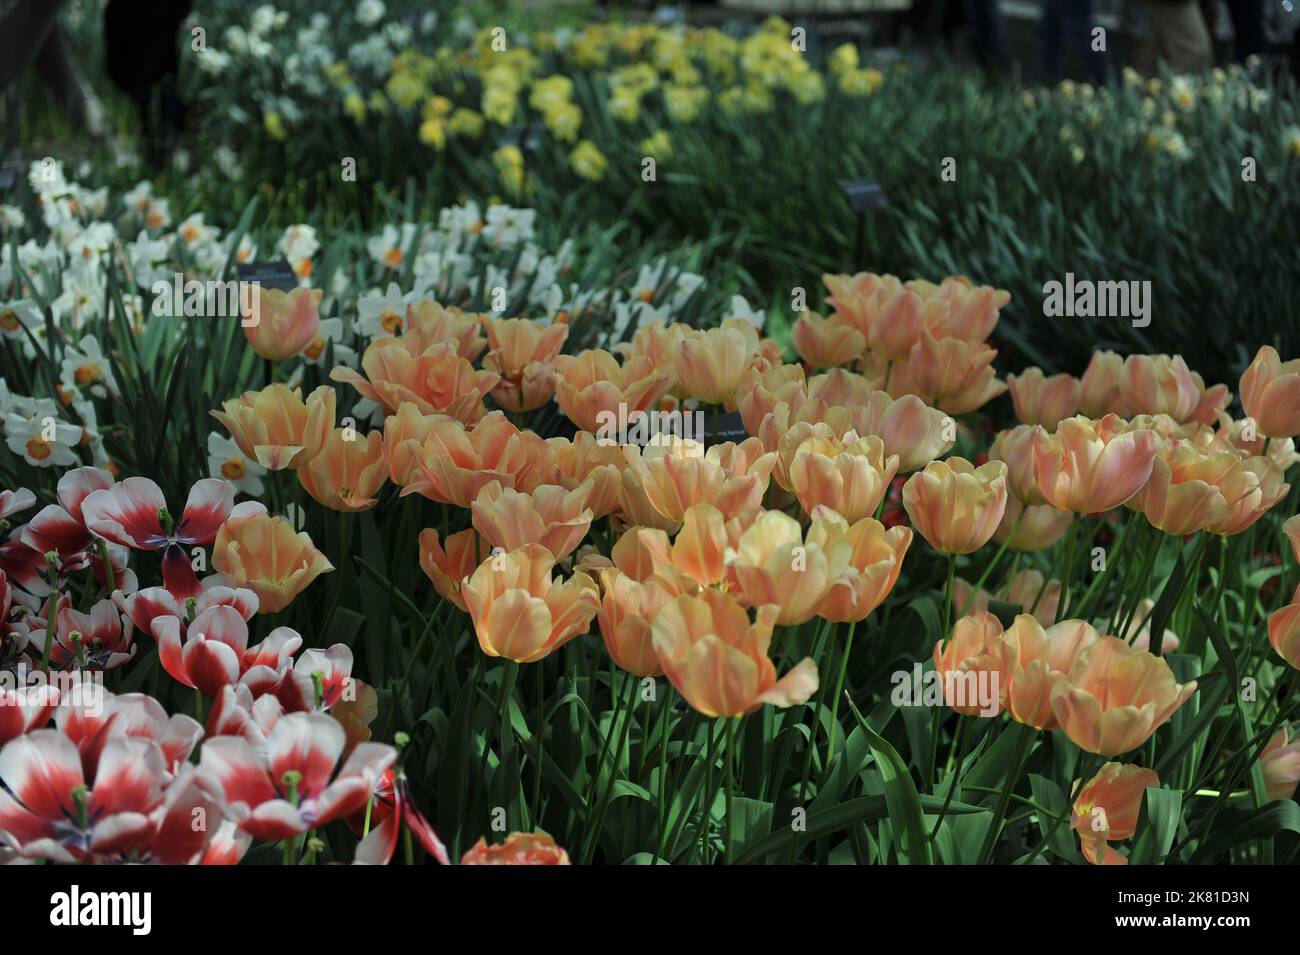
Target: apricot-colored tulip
column 951, row 374
column 672, row 475
column 969, row 664
column 348, row 472
column 1115, row 697
column 1189, row 491
column 700, row 548
column 432, row 376
column 1284, row 631
column 1292, row 530
column 593, row 383
column 956, row 506
column 264, row 554
column 456, row 462
column 1270, row 394
column 718, row 661
column 1159, row 384
column 1042, row 400
column 276, row 428
column 1031, row 527
column 827, row 342
column 1089, row 467
column 895, row 318
column 1035, row 660
column 710, row 363
column 1015, row 448
column 970, row 311
column 1099, row 391
column 773, row 564
column 875, row 558
column 1280, row 763
column 1264, row 489
column 519, row 612
column 549, row 515
column 1107, row 809
column 908, row 427
column 586, row 459
column 404, row 431
column 850, row 477
column 286, row 321
column 434, row 323
column 447, row 567
column 520, row 848
column 763, row 389
column 523, row 352
column 626, row 610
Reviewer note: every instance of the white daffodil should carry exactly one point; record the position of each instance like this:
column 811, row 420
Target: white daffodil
column 225, row 460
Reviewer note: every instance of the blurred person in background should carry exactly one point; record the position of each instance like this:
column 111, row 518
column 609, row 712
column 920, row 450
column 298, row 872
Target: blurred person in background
column 938, row 20
column 1068, row 24
column 30, row 37
column 1178, row 38
column 1247, row 28
column 141, row 57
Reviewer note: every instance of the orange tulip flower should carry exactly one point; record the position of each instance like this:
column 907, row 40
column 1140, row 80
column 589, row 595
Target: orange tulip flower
column 710, row 363
column 1099, row 390
column 1042, row 400
column 1107, row 809
column 520, row 848
column 850, row 476
column 952, row 374
column 1280, row 763
column 286, row 322
column 1089, row 467
column 520, row 612
column 956, row 506
column 432, row 376
column 348, row 471
column 265, row 555
column 827, row 342
column 1159, row 384
column 1115, row 697
column 1284, row 631
column 718, row 661
column 523, row 352
column 593, row 382
column 448, row 567
column 1270, row 394
column 875, row 559
column 276, row 428
column 548, row 515
column 774, row 565
column 455, row 463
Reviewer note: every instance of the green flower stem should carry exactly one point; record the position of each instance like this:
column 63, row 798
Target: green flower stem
column 835, row 700
column 1024, row 745
column 731, row 786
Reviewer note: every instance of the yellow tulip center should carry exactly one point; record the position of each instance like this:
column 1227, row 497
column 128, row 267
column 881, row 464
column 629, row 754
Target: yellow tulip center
column 86, row 374
column 9, row 320
column 393, row 257
column 232, row 469
column 314, row 348
column 392, row 322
